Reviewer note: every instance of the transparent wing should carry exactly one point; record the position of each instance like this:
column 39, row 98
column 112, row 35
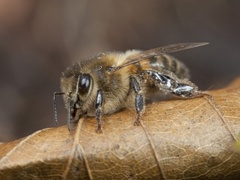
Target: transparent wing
column 157, row 51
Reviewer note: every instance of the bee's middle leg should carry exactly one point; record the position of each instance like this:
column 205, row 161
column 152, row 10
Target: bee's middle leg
column 98, row 110
column 139, row 99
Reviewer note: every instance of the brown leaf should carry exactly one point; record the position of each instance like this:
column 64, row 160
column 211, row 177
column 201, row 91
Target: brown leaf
column 178, row 139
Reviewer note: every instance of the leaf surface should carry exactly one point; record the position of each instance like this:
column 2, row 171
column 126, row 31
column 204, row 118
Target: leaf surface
column 177, row 139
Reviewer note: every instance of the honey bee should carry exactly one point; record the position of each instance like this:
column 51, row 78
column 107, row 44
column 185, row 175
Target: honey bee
column 111, row 81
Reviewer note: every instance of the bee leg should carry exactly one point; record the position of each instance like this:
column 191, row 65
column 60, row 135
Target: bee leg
column 169, row 83
column 98, row 110
column 139, row 100
column 187, row 90
column 55, row 106
column 162, row 81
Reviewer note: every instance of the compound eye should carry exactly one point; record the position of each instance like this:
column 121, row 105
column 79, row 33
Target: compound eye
column 84, row 83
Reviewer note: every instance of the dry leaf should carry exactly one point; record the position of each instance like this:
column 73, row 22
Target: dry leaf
column 178, row 139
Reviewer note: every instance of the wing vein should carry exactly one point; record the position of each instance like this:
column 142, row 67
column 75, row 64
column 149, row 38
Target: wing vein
column 156, row 52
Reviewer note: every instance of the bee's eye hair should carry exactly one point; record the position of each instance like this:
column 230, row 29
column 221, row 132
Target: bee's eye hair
column 84, row 83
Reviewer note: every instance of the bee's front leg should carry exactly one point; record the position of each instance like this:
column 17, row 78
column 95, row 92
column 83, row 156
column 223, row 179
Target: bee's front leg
column 98, row 110
column 139, row 99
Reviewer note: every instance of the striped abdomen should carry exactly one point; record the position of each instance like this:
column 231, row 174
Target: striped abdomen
column 166, row 62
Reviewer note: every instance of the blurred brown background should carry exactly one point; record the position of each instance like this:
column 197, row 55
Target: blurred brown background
column 39, row 39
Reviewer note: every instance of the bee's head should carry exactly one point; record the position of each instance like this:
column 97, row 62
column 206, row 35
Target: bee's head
column 76, row 88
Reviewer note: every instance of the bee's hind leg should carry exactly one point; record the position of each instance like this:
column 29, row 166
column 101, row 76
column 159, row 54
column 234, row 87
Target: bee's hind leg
column 170, row 83
column 139, row 99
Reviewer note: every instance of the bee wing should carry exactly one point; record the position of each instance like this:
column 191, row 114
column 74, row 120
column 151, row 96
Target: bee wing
column 157, row 51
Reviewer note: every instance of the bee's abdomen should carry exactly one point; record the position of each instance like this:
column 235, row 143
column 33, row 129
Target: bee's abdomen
column 169, row 63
